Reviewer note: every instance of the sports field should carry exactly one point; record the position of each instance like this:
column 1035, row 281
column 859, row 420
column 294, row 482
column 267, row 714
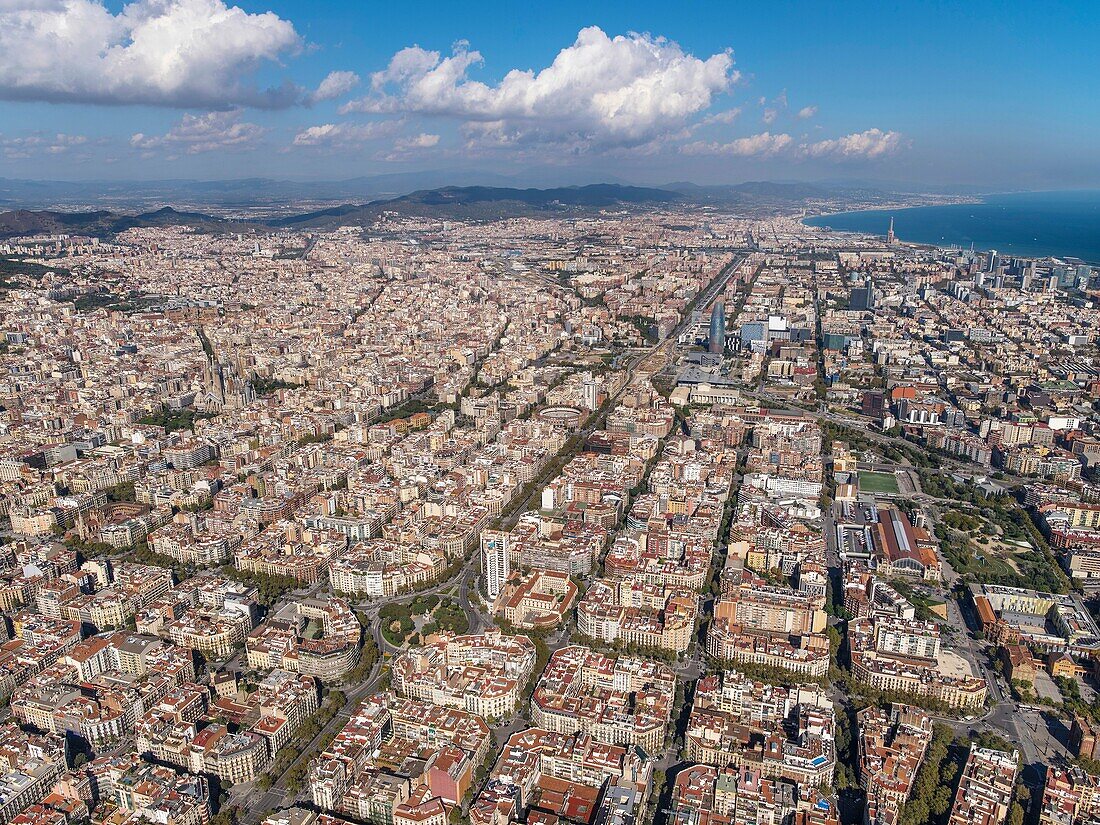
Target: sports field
column 878, row 482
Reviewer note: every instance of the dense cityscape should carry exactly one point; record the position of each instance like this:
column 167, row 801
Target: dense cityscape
column 655, row 516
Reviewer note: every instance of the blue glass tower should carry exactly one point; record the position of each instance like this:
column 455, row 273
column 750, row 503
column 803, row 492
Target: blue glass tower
column 716, row 343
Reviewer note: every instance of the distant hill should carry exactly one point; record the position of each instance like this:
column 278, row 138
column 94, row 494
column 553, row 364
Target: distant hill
column 461, row 202
column 103, row 223
column 486, row 203
column 323, row 217
column 26, row 222
column 248, row 193
column 447, row 202
column 593, row 195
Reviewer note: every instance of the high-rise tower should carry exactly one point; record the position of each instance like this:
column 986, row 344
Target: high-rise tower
column 496, row 566
column 890, row 232
column 716, row 341
column 591, row 393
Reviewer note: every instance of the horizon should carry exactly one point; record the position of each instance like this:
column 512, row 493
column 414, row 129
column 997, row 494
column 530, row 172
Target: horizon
column 517, row 182
column 639, row 93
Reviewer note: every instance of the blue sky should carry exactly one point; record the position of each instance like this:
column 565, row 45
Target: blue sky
column 1002, row 95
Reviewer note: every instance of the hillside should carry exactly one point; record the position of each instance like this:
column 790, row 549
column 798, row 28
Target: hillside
column 103, row 223
column 486, row 203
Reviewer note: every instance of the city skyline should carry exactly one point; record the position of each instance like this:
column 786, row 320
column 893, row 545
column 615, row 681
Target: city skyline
column 208, row 89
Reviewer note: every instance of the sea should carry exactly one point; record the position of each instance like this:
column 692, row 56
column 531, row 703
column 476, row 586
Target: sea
column 1028, row 224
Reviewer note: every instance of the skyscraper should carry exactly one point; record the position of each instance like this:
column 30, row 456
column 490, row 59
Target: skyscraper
column 494, row 549
column 890, row 232
column 591, row 393
column 863, row 298
column 716, row 342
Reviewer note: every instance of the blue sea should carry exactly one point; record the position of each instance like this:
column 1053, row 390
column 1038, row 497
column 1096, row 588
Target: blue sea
column 1031, row 224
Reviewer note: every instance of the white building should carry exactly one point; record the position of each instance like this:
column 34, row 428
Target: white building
column 496, row 567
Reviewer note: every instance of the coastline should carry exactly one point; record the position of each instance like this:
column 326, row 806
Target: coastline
column 901, row 205
column 1051, row 225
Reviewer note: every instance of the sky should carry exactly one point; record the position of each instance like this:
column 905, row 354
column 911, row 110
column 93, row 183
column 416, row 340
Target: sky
column 1001, row 95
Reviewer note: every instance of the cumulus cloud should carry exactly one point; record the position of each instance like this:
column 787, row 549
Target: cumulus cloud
column 873, row 143
column 335, row 84
column 728, row 116
column 344, row 134
column 763, row 144
column 194, row 134
column 601, row 90
column 421, row 141
column 179, row 53
column 408, row 147
column 806, row 112
column 773, row 110
column 27, row 146
column 63, row 143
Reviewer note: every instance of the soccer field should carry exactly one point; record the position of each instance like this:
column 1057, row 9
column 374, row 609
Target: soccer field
column 878, row 482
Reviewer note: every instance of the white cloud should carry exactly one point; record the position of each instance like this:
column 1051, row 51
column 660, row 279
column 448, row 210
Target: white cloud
column 344, row 134
column 763, row 144
column 63, row 143
column 37, row 144
column 335, row 84
column 405, row 148
column 775, row 109
column 194, row 134
column 180, row 53
column 873, row 143
column 600, row 90
column 806, row 112
column 728, row 116
column 421, row 141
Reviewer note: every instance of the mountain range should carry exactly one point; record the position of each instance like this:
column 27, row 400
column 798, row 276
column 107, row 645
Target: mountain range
column 478, row 202
column 142, row 196
column 102, row 223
